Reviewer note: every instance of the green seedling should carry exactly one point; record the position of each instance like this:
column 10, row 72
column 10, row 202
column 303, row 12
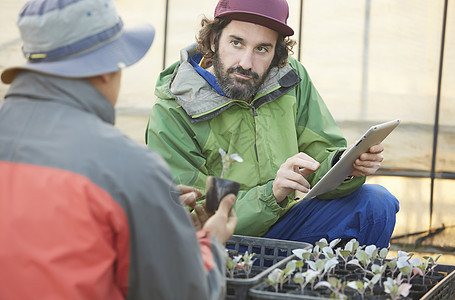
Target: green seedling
column 246, row 263
column 328, row 252
column 335, row 285
column 432, row 262
column 396, row 288
column 383, row 255
column 303, row 253
column 408, row 268
column 359, row 286
column 279, row 277
column 231, row 264
column 218, row 187
column 349, row 250
column 288, row 271
column 305, row 278
column 274, row 278
column 227, row 160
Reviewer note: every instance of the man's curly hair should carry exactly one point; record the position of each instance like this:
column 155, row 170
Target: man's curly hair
column 282, row 50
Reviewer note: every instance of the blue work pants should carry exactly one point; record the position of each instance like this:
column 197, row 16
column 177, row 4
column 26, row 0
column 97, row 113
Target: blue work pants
column 368, row 215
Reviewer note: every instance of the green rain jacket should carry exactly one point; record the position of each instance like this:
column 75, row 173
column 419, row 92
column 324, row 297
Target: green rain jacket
column 190, row 121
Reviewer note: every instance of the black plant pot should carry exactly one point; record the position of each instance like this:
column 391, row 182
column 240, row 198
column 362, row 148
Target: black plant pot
column 216, row 189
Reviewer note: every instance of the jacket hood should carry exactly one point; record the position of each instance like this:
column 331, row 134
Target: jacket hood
column 191, row 91
column 79, row 93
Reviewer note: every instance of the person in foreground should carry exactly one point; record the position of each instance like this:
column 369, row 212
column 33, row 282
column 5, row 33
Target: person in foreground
column 86, row 213
column 239, row 89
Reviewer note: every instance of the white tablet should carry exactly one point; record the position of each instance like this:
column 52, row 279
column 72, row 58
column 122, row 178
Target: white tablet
column 343, row 168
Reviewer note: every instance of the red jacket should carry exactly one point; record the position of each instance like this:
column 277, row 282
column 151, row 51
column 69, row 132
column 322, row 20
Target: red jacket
column 86, row 213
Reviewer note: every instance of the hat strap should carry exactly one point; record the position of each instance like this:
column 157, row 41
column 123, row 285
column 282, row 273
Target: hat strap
column 84, row 45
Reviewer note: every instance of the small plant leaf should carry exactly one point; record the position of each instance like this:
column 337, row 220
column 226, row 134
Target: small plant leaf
column 356, row 285
column 330, row 264
column 236, row 157
column 322, row 243
column 322, row 284
column 298, row 278
column 302, row 253
column 274, row 276
column 404, row 289
column 333, row 281
column 370, row 250
column 290, row 267
column 320, row 264
column 312, row 265
column 334, row 243
column 354, row 262
column 345, row 253
column 362, row 256
column 415, row 261
column 328, row 252
column 376, row 269
column 383, row 253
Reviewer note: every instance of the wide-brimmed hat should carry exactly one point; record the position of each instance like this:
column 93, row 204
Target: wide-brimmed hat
column 76, row 39
column 272, row 14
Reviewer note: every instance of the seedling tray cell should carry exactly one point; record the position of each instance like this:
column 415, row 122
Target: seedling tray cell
column 270, row 254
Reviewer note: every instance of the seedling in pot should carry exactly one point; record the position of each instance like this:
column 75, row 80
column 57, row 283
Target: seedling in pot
column 322, row 243
column 231, row 264
column 371, row 282
column 289, row 270
column 378, row 270
column 335, row 285
column 428, row 265
column 383, row 255
column 218, row 187
column 277, row 278
column 323, row 266
column 274, row 278
column 246, row 263
column 409, row 267
column 349, row 250
column 359, row 286
column 302, row 254
column 396, row 287
column 365, row 257
column 304, row 278
column 432, row 262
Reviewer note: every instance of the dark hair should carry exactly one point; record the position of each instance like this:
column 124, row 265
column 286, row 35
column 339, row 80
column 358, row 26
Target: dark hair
column 282, row 50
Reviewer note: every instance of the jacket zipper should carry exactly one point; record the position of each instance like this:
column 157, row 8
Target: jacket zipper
column 255, row 114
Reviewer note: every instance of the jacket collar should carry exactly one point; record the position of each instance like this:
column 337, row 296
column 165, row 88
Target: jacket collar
column 78, row 93
column 201, row 101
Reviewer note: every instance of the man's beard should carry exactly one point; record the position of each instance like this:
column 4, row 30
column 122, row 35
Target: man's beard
column 236, row 88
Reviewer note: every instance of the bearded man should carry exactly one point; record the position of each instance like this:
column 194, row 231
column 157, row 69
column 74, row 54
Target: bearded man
column 239, row 89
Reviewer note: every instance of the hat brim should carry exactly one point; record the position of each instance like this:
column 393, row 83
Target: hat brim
column 259, row 19
column 124, row 51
